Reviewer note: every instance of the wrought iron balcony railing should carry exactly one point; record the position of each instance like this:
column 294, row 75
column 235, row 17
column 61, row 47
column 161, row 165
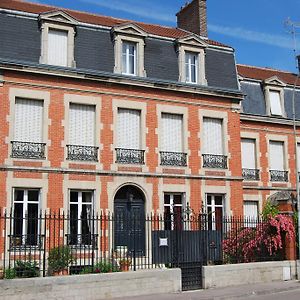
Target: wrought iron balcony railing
column 277, row 175
column 88, row 239
column 28, row 150
column 130, row 156
column 84, row 153
column 251, row 174
column 173, row 159
column 214, row 161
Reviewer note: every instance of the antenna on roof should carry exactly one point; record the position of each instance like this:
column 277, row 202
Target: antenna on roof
column 293, row 28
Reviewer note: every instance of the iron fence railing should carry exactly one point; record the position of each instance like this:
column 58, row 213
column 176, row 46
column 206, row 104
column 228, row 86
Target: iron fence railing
column 278, row 175
column 214, row 161
column 130, row 156
column 175, row 159
column 83, row 153
column 108, row 242
column 250, row 174
column 28, row 150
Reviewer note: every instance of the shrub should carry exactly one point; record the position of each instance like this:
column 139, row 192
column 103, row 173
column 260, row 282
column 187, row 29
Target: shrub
column 269, row 210
column 10, row 273
column 100, row 267
column 60, row 258
column 26, row 269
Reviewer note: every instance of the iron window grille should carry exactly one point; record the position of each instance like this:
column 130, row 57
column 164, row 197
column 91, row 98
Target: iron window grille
column 129, row 156
column 214, row 161
column 251, row 174
column 84, row 153
column 277, row 175
column 28, row 150
column 173, row 159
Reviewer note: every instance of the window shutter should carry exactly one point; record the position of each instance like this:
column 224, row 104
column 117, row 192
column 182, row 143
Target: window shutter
column 82, row 125
column 277, row 156
column 213, row 136
column 57, row 47
column 248, row 154
column 298, row 156
column 172, row 139
column 28, row 121
column 251, row 209
column 275, row 103
column 128, row 129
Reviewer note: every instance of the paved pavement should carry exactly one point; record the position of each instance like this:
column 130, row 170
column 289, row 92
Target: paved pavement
column 289, row 290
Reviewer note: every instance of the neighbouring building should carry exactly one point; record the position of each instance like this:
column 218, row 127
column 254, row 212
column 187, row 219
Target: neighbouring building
column 98, row 112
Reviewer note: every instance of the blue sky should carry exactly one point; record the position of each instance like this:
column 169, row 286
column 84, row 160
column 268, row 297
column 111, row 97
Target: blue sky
column 255, row 28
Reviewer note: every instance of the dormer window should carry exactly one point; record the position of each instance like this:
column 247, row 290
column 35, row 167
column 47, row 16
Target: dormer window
column 191, row 67
column 57, row 39
column 191, row 60
column 129, row 58
column 129, row 47
column 274, row 96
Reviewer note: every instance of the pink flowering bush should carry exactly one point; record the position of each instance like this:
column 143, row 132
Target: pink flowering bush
column 266, row 239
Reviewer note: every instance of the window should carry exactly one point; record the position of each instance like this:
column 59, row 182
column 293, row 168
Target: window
column 173, row 204
column 298, row 156
column 250, row 171
column 215, row 210
column 275, row 103
column 129, row 58
column 191, row 67
column 26, row 222
column 277, row 162
column 81, row 217
column 28, row 129
column 57, row 47
column 172, row 140
column 129, row 136
column 213, row 144
column 250, row 213
column 82, row 133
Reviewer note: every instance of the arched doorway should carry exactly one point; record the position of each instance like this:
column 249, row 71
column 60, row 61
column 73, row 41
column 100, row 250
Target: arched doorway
column 129, row 216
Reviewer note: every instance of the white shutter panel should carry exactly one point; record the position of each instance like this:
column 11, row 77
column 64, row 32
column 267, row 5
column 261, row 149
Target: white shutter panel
column 28, row 121
column 57, row 47
column 172, row 140
column 250, row 213
column 128, row 129
column 82, row 125
column 248, row 154
column 276, row 156
column 275, row 103
column 213, row 136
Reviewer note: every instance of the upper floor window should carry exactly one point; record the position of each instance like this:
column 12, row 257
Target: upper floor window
column 28, row 129
column 128, row 148
column 213, row 152
column 277, row 161
column 57, row 47
column 191, row 67
column 275, row 103
column 250, row 171
column 172, row 140
column 57, row 39
column 129, row 58
column 129, row 47
column 191, row 60
column 82, row 133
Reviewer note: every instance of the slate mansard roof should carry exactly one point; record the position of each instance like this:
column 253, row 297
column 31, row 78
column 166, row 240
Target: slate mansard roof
column 20, row 38
column 253, row 81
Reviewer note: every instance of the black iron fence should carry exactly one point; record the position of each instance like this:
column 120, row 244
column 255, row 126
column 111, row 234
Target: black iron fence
column 48, row 243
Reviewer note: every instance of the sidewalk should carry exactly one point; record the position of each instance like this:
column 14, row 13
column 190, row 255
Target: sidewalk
column 236, row 292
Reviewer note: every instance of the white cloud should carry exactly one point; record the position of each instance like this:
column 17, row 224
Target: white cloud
column 275, row 40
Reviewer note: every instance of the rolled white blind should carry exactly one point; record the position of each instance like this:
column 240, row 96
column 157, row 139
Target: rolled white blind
column 251, row 209
column 128, row 129
column 57, row 47
column 172, row 140
column 276, row 156
column 28, row 120
column 213, row 136
column 298, row 156
column 82, row 125
column 275, row 103
column 248, row 154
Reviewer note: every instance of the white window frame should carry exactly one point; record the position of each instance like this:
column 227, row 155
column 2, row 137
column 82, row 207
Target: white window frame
column 279, row 88
column 171, row 205
column 204, row 146
column 250, row 221
column 190, row 66
column 80, row 204
column 25, row 209
column 255, row 155
column 126, row 68
column 213, row 207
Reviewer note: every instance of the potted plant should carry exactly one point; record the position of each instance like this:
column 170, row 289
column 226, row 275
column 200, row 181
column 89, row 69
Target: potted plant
column 124, row 264
column 59, row 260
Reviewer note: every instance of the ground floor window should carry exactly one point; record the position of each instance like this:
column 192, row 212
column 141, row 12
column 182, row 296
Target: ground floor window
column 250, row 213
column 173, row 209
column 26, row 210
column 215, row 211
column 81, row 217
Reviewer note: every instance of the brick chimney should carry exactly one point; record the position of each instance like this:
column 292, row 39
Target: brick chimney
column 192, row 17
